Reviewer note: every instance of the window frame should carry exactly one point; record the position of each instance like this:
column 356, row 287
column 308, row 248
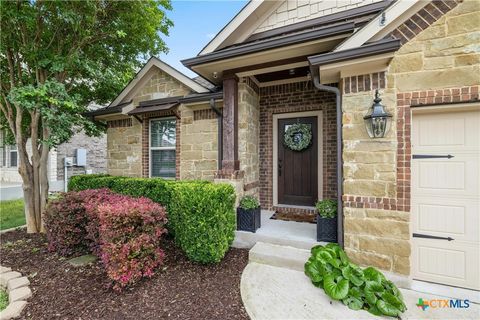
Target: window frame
column 10, row 151
column 150, row 148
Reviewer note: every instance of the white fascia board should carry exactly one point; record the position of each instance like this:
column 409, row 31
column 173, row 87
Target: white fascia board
column 395, row 15
column 231, row 26
column 164, row 67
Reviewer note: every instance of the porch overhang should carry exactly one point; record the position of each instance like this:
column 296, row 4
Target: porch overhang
column 213, row 65
column 368, row 58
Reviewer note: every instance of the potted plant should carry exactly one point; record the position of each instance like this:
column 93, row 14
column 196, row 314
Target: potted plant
column 248, row 214
column 326, row 220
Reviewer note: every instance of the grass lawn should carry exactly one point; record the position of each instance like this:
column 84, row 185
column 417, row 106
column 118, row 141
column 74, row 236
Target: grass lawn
column 11, row 214
column 3, row 299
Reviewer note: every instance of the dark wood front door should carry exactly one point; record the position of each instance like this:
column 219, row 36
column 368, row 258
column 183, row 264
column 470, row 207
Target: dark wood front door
column 297, row 170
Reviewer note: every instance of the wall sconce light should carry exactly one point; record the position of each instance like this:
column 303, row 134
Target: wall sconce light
column 377, row 120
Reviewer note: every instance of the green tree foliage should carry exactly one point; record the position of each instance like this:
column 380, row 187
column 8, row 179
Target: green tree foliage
column 59, row 57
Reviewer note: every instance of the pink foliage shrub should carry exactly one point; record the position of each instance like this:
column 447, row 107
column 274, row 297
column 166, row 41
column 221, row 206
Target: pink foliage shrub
column 130, row 234
column 71, row 221
column 124, row 232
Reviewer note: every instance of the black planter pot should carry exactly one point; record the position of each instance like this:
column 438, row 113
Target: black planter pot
column 248, row 220
column 326, row 229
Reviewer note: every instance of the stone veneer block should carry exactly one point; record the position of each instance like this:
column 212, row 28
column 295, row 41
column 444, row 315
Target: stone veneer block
column 5, row 269
column 13, row 310
column 22, row 293
column 5, row 277
column 17, row 283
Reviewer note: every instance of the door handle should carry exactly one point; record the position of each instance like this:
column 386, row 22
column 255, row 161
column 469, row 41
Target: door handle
column 427, row 236
column 279, row 167
column 431, row 156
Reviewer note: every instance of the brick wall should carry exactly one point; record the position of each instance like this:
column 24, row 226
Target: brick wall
column 96, row 154
column 296, row 97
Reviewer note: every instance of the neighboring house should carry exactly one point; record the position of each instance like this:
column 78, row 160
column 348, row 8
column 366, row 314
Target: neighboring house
column 95, row 160
column 400, row 196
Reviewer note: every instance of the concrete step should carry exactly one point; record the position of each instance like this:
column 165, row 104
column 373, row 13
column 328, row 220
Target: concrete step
column 279, row 256
column 247, row 240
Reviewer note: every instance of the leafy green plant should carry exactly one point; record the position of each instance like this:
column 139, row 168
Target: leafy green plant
column 329, row 268
column 249, row 202
column 326, row 208
column 203, row 220
column 201, row 215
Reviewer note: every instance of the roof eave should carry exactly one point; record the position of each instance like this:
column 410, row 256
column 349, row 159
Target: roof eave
column 379, row 47
column 268, row 44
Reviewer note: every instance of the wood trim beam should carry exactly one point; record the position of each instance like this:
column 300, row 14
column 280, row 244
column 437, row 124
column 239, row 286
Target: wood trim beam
column 230, row 124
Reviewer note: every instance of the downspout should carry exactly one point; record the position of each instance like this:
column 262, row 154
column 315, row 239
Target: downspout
column 316, row 82
column 220, row 132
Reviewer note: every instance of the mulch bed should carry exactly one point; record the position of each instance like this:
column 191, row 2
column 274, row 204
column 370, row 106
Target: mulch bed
column 180, row 290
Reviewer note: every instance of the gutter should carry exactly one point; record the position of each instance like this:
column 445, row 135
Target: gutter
column 267, row 44
column 316, row 82
column 371, row 49
column 219, row 132
column 201, row 97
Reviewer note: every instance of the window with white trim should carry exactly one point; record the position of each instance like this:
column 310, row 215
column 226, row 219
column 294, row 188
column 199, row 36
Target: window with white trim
column 13, row 159
column 162, row 147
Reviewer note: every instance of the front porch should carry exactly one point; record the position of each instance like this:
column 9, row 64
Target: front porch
column 301, row 235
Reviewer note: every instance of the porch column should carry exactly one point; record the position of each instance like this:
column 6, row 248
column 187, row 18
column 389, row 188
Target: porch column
column 230, row 161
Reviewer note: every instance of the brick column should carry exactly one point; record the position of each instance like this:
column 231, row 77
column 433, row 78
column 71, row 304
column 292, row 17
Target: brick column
column 230, row 161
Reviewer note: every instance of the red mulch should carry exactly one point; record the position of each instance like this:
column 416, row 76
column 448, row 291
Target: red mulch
column 180, row 290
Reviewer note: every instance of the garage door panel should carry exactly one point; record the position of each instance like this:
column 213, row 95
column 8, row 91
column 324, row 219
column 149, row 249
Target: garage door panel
column 455, row 177
column 447, row 131
column 445, row 217
column 446, row 198
column 448, row 263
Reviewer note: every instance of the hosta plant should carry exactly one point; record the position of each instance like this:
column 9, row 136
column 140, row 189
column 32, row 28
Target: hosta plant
column 368, row 289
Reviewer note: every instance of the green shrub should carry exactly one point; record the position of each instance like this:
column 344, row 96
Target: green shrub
column 248, row 203
column 329, row 268
column 203, row 220
column 326, row 208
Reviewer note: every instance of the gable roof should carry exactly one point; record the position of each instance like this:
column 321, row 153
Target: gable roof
column 246, row 20
column 395, row 14
column 155, row 62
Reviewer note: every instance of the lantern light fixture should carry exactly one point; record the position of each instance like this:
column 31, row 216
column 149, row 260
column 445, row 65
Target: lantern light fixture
column 377, row 120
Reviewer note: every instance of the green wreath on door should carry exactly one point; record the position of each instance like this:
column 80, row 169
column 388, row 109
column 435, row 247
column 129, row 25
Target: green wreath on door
column 298, row 136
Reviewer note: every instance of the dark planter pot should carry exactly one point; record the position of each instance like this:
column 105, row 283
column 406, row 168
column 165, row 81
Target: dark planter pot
column 326, row 229
column 248, row 220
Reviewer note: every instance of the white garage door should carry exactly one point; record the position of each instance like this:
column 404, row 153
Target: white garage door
column 445, row 197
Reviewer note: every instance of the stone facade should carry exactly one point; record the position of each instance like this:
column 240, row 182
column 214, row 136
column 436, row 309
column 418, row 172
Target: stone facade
column 124, row 149
column 199, row 142
column 292, row 11
column 438, row 63
column 296, row 97
column 160, row 85
column 128, row 140
column 249, row 135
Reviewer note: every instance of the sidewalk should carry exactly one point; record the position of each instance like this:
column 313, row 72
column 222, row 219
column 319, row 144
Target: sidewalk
column 270, row 292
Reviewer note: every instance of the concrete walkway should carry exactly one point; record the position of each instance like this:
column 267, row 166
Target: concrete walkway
column 270, row 292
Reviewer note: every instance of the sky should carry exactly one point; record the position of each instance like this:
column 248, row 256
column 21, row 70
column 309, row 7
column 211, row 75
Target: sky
column 195, row 24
